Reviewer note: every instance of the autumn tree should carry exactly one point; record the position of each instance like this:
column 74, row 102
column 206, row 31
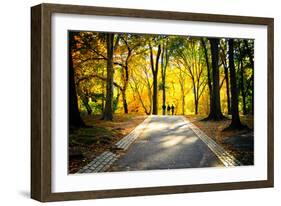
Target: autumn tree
column 249, row 47
column 90, row 63
column 215, row 106
column 243, row 50
column 241, row 67
column 123, row 73
column 189, row 53
column 165, row 57
column 139, row 85
column 154, row 65
column 209, row 70
column 127, row 49
column 235, row 120
column 93, row 44
column 74, row 115
column 181, row 76
column 108, row 110
column 223, row 57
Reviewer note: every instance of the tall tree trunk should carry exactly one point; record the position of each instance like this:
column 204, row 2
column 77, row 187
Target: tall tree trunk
column 163, row 76
column 85, row 101
column 253, row 91
column 148, row 87
column 182, row 95
column 226, row 74
column 235, row 121
column 116, row 101
column 124, row 100
column 150, row 99
column 126, row 79
column 155, row 95
column 196, row 103
column 227, row 89
column 183, row 103
column 74, row 115
column 196, row 107
column 242, row 86
column 124, row 89
column 103, row 94
column 108, row 110
column 125, row 104
column 251, row 56
column 155, row 75
column 164, row 97
column 164, row 64
column 215, row 110
column 195, row 97
column 208, row 73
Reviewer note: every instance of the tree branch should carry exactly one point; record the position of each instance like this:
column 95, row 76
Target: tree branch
column 99, row 77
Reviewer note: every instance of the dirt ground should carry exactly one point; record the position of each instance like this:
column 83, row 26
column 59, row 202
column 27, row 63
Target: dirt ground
column 239, row 143
column 87, row 143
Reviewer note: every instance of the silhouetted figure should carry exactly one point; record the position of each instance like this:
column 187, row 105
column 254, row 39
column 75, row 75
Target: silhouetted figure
column 164, row 109
column 168, row 109
column 173, row 109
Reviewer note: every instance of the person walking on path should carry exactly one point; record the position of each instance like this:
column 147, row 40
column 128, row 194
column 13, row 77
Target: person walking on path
column 168, row 109
column 164, row 109
column 173, row 109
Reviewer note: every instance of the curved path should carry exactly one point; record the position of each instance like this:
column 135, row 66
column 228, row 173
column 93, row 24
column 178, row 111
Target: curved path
column 167, row 142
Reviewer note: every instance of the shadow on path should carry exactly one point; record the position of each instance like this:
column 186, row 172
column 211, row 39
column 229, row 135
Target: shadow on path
column 167, row 143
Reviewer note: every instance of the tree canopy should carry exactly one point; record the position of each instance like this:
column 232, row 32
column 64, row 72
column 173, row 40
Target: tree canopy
column 140, row 73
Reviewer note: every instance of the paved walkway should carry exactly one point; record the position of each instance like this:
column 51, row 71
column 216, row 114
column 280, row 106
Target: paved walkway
column 167, row 142
column 163, row 142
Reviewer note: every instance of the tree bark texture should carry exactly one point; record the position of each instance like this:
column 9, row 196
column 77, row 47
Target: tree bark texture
column 108, row 110
column 75, row 119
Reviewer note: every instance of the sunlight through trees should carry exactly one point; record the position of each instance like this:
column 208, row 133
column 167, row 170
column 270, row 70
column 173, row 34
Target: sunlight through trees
column 112, row 73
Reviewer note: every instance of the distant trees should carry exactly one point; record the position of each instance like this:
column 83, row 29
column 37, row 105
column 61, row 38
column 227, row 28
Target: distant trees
column 190, row 56
column 181, row 76
column 127, row 45
column 141, row 84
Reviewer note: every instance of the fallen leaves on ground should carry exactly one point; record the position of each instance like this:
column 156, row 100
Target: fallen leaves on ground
column 87, row 143
column 215, row 130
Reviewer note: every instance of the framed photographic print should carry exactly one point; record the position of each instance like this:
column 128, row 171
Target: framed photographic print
column 130, row 102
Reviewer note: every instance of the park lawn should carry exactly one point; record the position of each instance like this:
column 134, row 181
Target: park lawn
column 214, row 129
column 87, row 143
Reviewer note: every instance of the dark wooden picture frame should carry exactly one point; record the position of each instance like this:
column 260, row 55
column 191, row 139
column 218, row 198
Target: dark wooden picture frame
column 41, row 96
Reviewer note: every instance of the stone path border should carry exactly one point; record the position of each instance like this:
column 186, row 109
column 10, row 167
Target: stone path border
column 106, row 159
column 227, row 159
column 100, row 163
column 125, row 142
